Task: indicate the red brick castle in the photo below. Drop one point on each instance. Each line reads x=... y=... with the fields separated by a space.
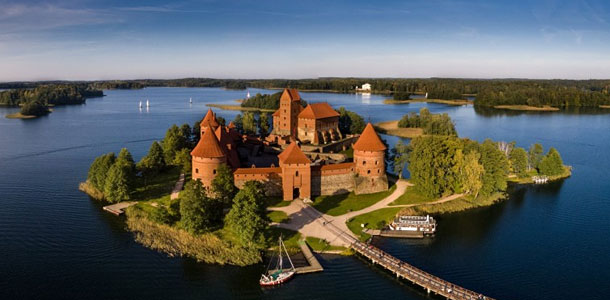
x=298 y=175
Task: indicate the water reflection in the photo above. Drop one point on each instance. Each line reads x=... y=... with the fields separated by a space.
x=493 y=112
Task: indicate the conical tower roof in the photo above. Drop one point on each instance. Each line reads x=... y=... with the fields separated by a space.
x=210 y=118
x=293 y=155
x=208 y=146
x=223 y=136
x=369 y=140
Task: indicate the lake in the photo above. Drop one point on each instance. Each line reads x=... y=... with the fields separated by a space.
x=545 y=242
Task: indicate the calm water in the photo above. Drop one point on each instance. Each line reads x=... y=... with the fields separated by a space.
x=547 y=242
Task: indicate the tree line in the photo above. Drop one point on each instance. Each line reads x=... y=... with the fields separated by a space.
x=440 y=124
x=50 y=94
x=445 y=165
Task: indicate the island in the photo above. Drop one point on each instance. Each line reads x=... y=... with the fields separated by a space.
x=413 y=125
x=224 y=194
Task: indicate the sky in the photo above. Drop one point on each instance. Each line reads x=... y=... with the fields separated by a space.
x=99 y=40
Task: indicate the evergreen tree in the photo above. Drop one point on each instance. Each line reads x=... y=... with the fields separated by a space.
x=187 y=133
x=126 y=160
x=518 y=161
x=350 y=122
x=535 y=154
x=34 y=108
x=172 y=143
x=551 y=164
x=247 y=217
x=223 y=186
x=99 y=170
x=154 y=161
x=116 y=187
x=198 y=212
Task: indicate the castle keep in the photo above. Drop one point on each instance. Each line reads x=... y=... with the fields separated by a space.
x=298 y=175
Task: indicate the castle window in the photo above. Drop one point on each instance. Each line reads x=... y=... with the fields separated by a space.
x=378 y=171
x=364 y=162
x=376 y=162
x=214 y=171
x=368 y=172
x=197 y=171
x=296 y=173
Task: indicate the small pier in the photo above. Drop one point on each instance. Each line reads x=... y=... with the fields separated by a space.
x=395 y=233
x=314 y=264
x=119 y=208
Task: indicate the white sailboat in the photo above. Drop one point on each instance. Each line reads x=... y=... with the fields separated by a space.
x=191 y=100
x=147 y=103
x=140 y=103
x=248 y=95
x=278 y=275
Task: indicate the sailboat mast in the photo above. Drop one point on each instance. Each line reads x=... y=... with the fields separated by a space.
x=287 y=255
x=281 y=262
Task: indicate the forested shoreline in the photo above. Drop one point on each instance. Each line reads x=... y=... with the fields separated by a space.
x=489 y=92
x=61 y=94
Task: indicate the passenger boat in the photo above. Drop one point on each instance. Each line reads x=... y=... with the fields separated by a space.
x=278 y=275
x=426 y=225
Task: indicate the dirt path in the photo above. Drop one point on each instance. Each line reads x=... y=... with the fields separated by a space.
x=177 y=187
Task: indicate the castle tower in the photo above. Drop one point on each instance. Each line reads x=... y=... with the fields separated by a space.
x=296 y=173
x=209 y=121
x=369 y=153
x=285 y=118
x=207 y=156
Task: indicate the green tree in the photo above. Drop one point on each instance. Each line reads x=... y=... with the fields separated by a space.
x=172 y=143
x=187 y=133
x=34 y=108
x=535 y=154
x=184 y=160
x=432 y=164
x=496 y=168
x=116 y=187
x=239 y=123
x=247 y=217
x=472 y=174
x=400 y=157
x=223 y=186
x=350 y=122
x=551 y=164
x=263 y=127
x=154 y=161
x=221 y=121
x=249 y=123
x=198 y=212
x=99 y=170
x=518 y=161
x=126 y=160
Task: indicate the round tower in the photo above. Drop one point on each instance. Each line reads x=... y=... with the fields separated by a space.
x=369 y=153
x=207 y=156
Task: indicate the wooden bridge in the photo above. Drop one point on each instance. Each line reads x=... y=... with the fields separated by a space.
x=429 y=282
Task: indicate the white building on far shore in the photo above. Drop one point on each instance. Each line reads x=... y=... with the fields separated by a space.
x=365 y=88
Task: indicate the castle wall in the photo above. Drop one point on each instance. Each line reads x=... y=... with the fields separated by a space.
x=272 y=182
x=332 y=179
x=204 y=169
x=370 y=163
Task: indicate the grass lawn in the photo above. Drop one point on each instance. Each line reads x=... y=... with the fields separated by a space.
x=156 y=186
x=320 y=245
x=290 y=238
x=336 y=205
x=411 y=196
x=277 y=216
x=374 y=220
x=276 y=202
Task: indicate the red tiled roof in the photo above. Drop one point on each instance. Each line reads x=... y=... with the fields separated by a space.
x=210 y=117
x=231 y=125
x=208 y=146
x=293 y=155
x=318 y=111
x=291 y=94
x=257 y=170
x=369 y=140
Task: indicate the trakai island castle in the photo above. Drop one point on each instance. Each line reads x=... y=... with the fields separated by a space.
x=308 y=164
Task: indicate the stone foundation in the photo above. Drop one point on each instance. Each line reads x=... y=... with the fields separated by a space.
x=369 y=185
